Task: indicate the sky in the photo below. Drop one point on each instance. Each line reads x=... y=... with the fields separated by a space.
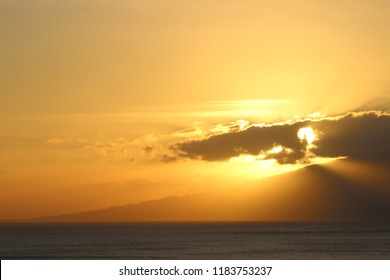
x=106 y=103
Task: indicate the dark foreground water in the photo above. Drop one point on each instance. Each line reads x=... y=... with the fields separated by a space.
x=195 y=241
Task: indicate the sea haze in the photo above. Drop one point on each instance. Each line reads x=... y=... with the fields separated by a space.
x=196 y=241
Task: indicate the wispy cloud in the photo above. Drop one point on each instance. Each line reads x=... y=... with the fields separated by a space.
x=119 y=149
x=142 y=149
x=227 y=110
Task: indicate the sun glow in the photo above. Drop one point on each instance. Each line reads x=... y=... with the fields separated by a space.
x=276 y=149
x=254 y=167
x=307 y=133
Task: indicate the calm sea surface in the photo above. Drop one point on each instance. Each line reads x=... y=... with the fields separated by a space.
x=195 y=241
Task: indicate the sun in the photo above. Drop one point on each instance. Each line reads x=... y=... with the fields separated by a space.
x=307 y=133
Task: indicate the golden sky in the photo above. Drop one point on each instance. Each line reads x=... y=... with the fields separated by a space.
x=96 y=94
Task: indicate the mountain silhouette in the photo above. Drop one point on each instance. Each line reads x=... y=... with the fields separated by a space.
x=342 y=190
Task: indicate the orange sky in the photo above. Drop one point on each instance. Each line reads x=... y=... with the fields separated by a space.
x=94 y=95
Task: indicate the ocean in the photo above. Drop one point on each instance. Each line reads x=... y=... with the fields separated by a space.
x=271 y=241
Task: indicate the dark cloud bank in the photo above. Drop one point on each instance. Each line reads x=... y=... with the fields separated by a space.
x=364 y=136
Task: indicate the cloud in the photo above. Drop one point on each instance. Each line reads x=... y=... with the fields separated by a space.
x=117 y=150
x=379 y=103
x=253 y=140
x=144 y=149
x=69 y=142
x=363 y=135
